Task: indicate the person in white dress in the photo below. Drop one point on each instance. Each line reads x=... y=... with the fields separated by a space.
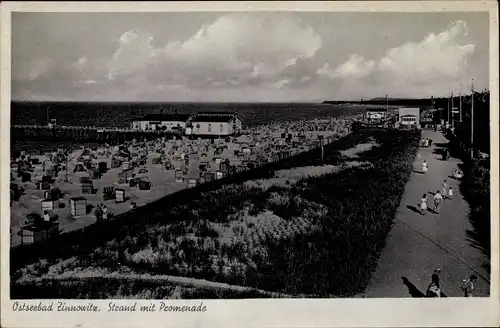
x=423 y=204
x=424 y=167
x=450 y=192
x=445 y=189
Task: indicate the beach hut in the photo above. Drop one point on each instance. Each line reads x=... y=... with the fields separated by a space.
x=102 y=167
x=231 y=170
x=203 y=167
x=54 y=194
x=48 y=204
x=108 y=193
x=79 y=167
x=87 y=187
x=144 y=185
x=116 y=163
x=119 y=195
x=78 y=206
x=192 y=183
x=94 y=174
x=224 y=165
x=47 y=178
x=32 y=234
x=179 y=176
x=125 y=176
x=42 y=185
x=208 y=176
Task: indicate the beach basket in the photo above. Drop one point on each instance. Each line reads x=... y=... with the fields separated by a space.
x=78 y=206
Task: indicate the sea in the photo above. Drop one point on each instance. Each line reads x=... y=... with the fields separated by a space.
x=112 y=114
x=115 y=114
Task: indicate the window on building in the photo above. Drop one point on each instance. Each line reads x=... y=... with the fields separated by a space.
x=222 y=128
x=209 y=127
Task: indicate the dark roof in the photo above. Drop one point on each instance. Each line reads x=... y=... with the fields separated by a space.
x=216 y=113
x=376 y=110
x=214 y=117
x=166 y=117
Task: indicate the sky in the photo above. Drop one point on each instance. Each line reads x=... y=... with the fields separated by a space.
x=246 y=56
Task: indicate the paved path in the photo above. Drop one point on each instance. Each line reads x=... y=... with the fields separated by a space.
x=417 y=244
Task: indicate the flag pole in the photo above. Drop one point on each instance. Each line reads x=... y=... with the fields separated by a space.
x=472 y=121
x=452 y=114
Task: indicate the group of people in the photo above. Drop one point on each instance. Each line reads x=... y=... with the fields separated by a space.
x=101 y=212
x=426 y=142
x=446 y=192
x=435 y=290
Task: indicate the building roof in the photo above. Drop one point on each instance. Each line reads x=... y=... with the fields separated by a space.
x=222 y=117
x=165 y=117
x=211 y=113
x=376 y=110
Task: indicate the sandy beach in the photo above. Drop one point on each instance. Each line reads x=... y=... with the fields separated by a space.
x=168 y=165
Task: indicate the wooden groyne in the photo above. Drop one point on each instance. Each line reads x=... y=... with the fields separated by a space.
x=83 y=134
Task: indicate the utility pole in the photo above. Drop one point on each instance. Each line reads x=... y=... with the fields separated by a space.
x=452 y=113
x=460 y=104
x=472 y=121
x=449 y=111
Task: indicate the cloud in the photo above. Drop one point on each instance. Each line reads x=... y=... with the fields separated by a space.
x=32 y=70
x=235 y=49
x=435 y=59
x=355 y=67
x=134 y=54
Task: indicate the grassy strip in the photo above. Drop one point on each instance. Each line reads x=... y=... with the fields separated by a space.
x=321 y=236
x=132 y=286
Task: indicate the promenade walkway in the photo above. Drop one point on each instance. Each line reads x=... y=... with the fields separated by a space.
x=418 y=244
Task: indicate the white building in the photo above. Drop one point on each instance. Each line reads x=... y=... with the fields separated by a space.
x=376 y=114
x=214 y=124
x=161 y=122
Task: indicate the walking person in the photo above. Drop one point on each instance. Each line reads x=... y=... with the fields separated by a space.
x=468 y=286
x=445 y=187
x=104 y=212
x=424 y=167
x=430 y=142
x=450 y=193
x=98 y=214
x=438 y=199
x=46 y=218
x=434 y=288
x=423 y=204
